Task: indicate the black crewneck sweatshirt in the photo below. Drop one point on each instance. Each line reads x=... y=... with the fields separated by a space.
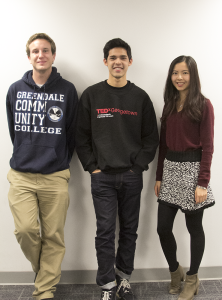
x=117 y=129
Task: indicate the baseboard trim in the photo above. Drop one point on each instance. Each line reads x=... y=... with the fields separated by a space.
x=88 y=276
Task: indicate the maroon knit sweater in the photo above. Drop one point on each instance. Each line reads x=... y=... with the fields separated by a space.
x=182 y=134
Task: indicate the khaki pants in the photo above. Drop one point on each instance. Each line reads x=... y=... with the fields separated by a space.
x=34 y=197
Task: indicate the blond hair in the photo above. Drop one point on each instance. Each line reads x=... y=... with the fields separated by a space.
x=40 y=36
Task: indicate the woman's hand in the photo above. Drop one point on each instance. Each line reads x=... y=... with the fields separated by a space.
x=200 y=195
x=157 y=188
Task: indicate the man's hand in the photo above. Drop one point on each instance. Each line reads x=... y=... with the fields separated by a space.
x=157 y=188
x=96 y=171
x=200 y=195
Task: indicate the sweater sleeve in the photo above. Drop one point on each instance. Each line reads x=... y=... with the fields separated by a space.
x=162 y=152
x=71 y=122
x=84 y=147
x=149 y=138
x=206 y=139
x=9 y=112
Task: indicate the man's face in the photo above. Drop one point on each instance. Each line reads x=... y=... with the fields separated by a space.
x=41 y=56
x=118 y=62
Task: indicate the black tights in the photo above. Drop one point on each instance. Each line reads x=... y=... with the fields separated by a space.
x=166 y=216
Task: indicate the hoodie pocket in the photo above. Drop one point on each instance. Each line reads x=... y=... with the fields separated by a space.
x=34 y=158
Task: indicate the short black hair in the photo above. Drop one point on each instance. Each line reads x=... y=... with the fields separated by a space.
x=116 y=43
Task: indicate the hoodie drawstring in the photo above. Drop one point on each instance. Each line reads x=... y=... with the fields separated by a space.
x=31 y=118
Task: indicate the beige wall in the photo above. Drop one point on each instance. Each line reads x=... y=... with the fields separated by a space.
x=158 y=31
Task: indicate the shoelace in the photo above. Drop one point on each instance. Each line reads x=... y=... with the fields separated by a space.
x=126 y=286
x=106 y=295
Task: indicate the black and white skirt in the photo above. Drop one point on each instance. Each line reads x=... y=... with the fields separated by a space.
x=179 y=182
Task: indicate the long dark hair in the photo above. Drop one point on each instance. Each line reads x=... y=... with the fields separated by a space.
x=194 y=102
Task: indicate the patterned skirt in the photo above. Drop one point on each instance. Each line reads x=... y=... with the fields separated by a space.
x=180 y=177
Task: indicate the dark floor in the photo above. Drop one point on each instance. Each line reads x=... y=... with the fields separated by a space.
x=209 y=289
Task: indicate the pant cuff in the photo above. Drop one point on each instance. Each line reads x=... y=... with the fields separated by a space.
x=45 y=295
x=108 y=286
x=122 y=275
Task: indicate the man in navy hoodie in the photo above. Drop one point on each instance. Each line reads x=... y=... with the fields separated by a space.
x=116 y=139
x=41 y=110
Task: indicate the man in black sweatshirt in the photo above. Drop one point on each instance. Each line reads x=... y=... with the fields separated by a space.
x=41 y=110
x=116 y=139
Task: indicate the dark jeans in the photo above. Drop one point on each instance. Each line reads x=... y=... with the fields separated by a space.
x=110 y=191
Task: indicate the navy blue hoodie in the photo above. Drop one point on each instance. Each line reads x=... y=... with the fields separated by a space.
x=42 y=123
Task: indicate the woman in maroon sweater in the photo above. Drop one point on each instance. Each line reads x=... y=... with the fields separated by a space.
x=183 y=171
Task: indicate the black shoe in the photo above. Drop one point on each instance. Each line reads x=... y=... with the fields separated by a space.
x=109 y=294
x=124 y=289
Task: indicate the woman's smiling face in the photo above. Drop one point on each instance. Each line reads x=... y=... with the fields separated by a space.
x=181 y=77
